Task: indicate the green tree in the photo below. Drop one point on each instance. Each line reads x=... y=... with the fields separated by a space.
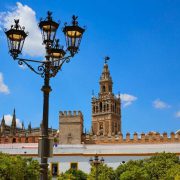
x=32 y=169
x=173 y=173
x=104 y=173
x=162 y=166
x=132 y=170
x=157 y=166
x=73 y=174
x=17 y=167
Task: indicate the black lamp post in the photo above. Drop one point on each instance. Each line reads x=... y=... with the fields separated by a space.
x=96 y=162
x=54 y=59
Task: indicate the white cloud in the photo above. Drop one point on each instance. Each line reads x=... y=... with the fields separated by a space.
x=3 y=87
x=8 y=120
x=127 y=99
x=177 y=114
x=27 y=16
x=158 y=104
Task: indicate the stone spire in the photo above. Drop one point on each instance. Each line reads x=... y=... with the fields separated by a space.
x=13 y=124
x=2 y=126
x=29 y=127
x=105 y=79
x=3 y=121
x=23 y=125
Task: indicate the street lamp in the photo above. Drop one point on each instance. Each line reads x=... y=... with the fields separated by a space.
x=96 y=162
x=48 y=68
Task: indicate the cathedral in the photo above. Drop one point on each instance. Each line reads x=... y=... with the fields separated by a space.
x=13 y=134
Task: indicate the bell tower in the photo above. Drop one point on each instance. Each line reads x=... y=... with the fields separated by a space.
x=106 y=108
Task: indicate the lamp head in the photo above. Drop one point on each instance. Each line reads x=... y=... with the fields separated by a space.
x=56 y=53
x=73 y=36
x=48 y=29
x=16 y=37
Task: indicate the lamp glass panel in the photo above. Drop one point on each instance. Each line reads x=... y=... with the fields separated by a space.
x=73 y=34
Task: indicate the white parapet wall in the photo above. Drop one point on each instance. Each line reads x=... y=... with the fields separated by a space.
x=113 y=155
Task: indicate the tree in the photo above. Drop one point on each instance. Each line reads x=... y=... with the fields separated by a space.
x=17 y=167
x=162 y=166
x=32 y=169
x=173 y=173
x=157 y=166
x=73 y=174
x=104 y=172
x=132 y=170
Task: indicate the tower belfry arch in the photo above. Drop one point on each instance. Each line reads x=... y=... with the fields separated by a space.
x=106 y=108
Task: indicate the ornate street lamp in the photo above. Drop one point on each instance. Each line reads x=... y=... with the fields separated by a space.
x=16 y=36
x=48 y=68
x=96 y=162
x=73 y=36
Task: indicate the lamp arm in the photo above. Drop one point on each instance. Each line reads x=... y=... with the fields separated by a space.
x=40 y=69
x=29 y=60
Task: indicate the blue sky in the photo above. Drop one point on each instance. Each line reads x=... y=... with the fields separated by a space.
x=141 y=37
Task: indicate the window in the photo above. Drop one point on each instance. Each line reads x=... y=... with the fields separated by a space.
x=93 y=109
x=100 y=107
x=54 y=169
x=110 y=88
x=107 y=107
x=74 y=165
x=103 y=88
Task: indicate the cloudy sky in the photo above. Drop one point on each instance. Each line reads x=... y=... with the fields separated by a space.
x=141 y=37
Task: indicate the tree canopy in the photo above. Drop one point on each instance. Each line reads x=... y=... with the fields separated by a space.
x=73 y=174
x=104 y=172
x=17 y=167
x=162 y=166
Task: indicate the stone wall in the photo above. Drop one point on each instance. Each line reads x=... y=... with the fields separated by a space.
x=71 y=127
x=18 y=139
x=150 y=138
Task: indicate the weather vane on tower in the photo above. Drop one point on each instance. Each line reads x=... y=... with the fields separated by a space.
x=107 y=58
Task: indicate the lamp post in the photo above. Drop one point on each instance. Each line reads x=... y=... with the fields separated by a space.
x=96 y=162
x=55 y=57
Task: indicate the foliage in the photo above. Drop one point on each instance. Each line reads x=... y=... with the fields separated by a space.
x=104 y=172
x=17 y=167
x=162 y=166
x=132 y=170
x=72 y=174
x=32 y=169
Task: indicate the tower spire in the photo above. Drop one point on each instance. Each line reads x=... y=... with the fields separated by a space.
x=13 y=124
x=14 y=119
x=105 y=79
x=3 y=121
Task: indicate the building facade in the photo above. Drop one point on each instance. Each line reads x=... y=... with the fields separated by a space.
x=13 y=134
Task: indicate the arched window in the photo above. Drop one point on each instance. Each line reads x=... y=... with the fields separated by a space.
x=103 y=89
x=104 y=107
x=14 y=140
x=100 y=106
x=93 y=109
x=107 y=107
